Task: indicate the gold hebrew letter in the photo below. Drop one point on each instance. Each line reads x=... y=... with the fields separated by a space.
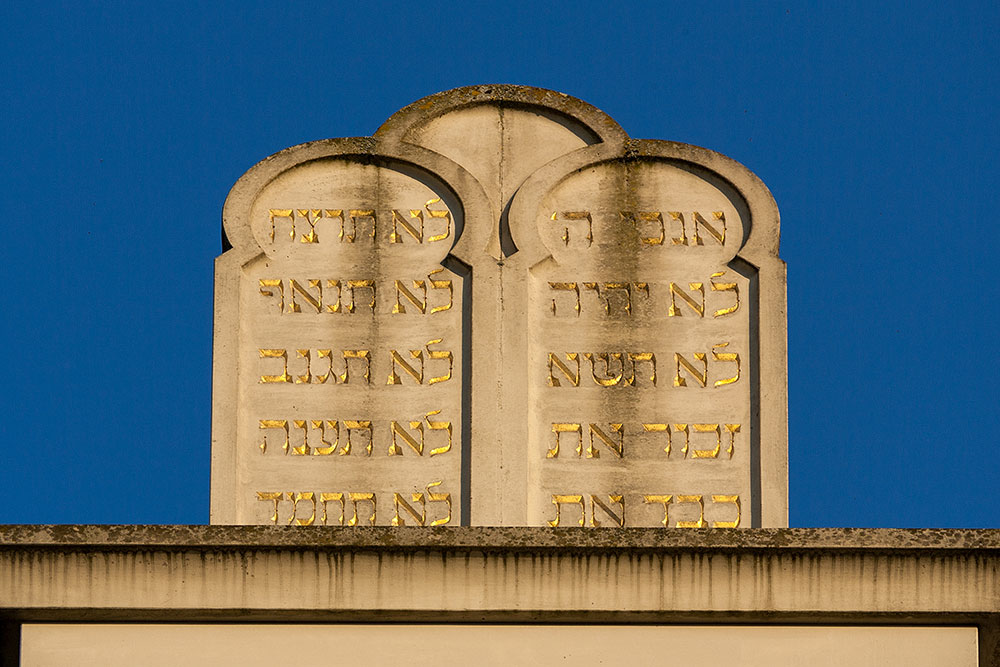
x=439 y=498
x=677 y=216
x=353 y=285
x=419 y=303
x=398 y=500
x=596 y=502
x=574 y=378
x=708 y=453
x=596 y=288
x=610 y=379
x=700 y=523
x=636 y=358
x=566 y=428
x=655 y=217
x=398 y=219
x=726 y=356
x=440 y=284
x=662 y=500
x=726 y=287
x=608 y=290
x=265 y=289
x=356 y=354
x=659 y=428
x=314 y=301
x=733 y=430
x=307 y=378
x=275 y=354
x=355 y=215
x=356 y=498
x=719 y=236
x=295 y=498
x=351 y=425
x=275 y=497
x=312 y=216
x=559 y=501
x=321 y=379
x=303 y=449
x=335 y=308
x=616 y=447
x=701 y=378
x=282 y=213
x=274 y=423
x=438 y=214
x=413 y=372
x=327 y=448
x=439 y=426
x=676 y=291
x=578 y=215
x=439 y=355
x=327 y=497
x=329 y=214
x=557 y=286
x=735 y=500
x=683 y=428
x=416 y=445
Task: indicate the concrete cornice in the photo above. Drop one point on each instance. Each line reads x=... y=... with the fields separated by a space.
x=470 y=538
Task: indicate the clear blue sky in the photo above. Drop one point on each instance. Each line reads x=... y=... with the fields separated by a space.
x=874 y=125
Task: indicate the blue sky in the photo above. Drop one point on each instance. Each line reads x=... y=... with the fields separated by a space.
x=873 y=124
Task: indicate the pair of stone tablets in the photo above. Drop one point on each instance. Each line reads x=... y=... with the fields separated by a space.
x=500 y=310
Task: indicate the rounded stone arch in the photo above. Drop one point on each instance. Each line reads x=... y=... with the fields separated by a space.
x=422 y=165
x=586 y=120
x=761 y=232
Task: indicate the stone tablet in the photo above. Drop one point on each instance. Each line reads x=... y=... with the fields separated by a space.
x=500 y=310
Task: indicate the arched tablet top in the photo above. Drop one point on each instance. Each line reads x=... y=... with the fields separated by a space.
x=458 y=189
x=761 y=228
x=587 y=121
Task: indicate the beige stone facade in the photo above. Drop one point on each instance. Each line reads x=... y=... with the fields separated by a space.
x=500 y=310
x=330 y=576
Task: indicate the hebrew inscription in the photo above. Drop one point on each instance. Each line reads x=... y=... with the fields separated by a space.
x=500 y=310
x=639 y=351
x=351 y=350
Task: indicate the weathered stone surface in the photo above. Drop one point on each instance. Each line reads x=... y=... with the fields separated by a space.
x=73 y=573
x=93 y=645
x=500 y=311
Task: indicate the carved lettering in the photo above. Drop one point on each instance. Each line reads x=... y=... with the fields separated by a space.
x=274 y=423
x=275 y=354
x=351 y=425
x=397 y=501
x=576 y=216
x=596 y=502
x=272 y=496
x=413 y=230
x=617 y=446
x=717 y=233
x=295 y=498
x=279 y=213
x=419 y=302
x=438 y=214
x=697 y=306
x=573 y=377
x=356 y=498
x=560 y=500
x=355 y=216
x=327 y=497
x=572 y=287
x=725 y=287
x=439 y=498
x=566 y=428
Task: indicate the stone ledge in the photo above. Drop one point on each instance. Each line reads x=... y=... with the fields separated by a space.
x=474 y=538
